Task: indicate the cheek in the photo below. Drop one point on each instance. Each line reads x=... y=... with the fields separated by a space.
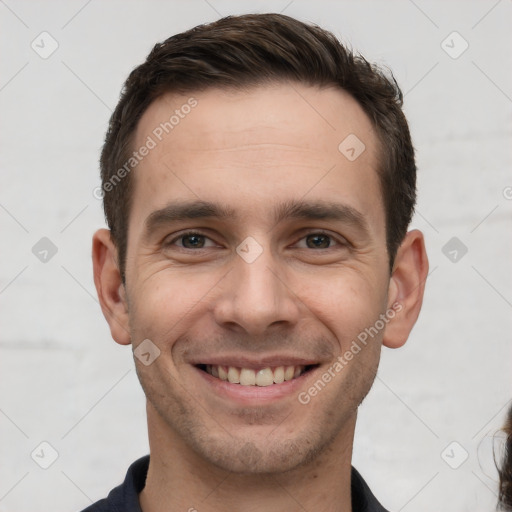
x=163 y=302
x=346 y=303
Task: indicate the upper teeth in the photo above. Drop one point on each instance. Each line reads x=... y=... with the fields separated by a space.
x=249 y=377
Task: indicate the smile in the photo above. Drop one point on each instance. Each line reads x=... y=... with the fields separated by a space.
x=263 y=377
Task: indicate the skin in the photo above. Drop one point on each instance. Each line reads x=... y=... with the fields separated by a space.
x=303 y=296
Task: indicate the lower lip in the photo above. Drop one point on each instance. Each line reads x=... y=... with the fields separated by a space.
x=256 y=395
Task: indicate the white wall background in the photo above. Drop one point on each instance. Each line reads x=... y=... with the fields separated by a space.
x=64 y=381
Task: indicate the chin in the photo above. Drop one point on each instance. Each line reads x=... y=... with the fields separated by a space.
x=250 y=457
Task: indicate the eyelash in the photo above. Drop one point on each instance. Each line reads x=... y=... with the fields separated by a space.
x=342 y=243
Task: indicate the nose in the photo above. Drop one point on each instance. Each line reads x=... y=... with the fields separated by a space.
x=256 y=297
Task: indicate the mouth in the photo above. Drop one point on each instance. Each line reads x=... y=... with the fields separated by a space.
x=261 y=377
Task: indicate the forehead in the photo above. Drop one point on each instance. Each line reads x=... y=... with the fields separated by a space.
x=248 y=148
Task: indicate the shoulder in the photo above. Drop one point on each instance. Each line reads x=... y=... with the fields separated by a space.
x=125 y=497
x=363 y=499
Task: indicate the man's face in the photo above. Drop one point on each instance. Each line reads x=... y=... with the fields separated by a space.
x=283 y=267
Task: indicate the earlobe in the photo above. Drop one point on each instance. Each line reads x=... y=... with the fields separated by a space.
x=109 y=286
x=406 y=288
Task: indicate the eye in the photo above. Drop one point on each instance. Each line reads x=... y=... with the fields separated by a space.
x=191 y=240
x=319 y=241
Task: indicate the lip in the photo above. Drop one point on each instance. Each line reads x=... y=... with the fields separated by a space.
x=255 y=363
x=256 y=395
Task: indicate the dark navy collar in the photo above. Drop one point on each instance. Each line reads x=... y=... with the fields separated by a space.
x=125 y=497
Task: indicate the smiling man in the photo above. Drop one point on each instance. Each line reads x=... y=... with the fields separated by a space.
x=258 y=183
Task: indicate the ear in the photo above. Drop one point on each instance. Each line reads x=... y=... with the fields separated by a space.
x=109 y=286
x=406 y=288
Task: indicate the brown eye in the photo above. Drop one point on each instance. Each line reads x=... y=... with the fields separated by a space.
x=193 y=241
x=318 y=241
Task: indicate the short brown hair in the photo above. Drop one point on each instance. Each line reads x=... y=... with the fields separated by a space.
x=505 y=468
x=241 y=51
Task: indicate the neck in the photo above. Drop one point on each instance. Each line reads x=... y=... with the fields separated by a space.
x=180 y=480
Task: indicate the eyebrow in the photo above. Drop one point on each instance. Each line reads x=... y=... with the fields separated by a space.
x=293 y=209
x=321 y=210
x=176 y=212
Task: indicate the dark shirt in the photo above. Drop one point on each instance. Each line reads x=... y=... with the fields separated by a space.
x=125 y=497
